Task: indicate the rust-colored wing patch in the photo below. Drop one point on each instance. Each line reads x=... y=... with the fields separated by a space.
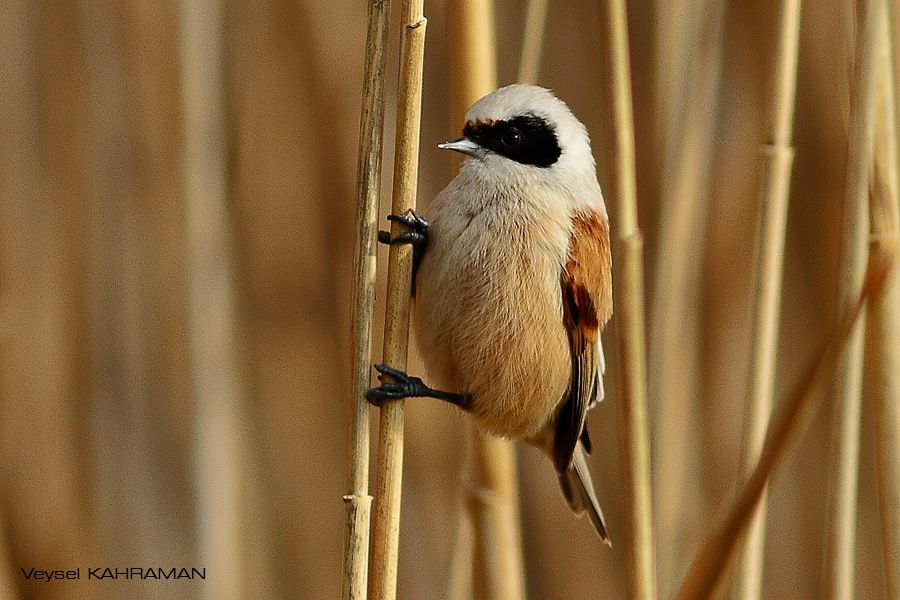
x=587 y=278
x=587 y=305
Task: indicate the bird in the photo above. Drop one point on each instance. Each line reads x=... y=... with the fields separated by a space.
x=512 y=283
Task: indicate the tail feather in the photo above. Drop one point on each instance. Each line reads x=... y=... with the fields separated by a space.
x=578 y=488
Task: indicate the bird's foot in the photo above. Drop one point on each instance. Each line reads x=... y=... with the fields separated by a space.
x=402 y=387
x=417 y=234
x=405 y=386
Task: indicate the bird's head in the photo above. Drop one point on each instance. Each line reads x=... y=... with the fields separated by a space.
x=523 y=133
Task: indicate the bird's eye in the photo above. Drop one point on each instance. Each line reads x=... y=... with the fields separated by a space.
x=511 y=137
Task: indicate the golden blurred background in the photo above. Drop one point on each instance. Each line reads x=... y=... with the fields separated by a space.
x=103 y=321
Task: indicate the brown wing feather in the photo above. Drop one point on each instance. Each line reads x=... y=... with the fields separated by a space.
x=587 y=305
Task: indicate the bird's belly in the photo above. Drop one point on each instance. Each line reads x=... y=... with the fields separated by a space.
x=489 y=322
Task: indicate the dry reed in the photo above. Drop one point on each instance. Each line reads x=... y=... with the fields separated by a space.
x=462 y=562
x=211 y=300
x=492 y=500
x=532 y=41
x=674 y=309
x=386 y=531
x=473 y=55
x=883 y=331
x=841 y=546
x=710 y=563
x=492 y=491
x=777 y=158
x=629 y=303
x=371 y=134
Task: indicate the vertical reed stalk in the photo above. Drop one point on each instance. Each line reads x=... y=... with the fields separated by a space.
x=777 y=156
x=371 y=134
x=883 y=331
x=710 y=563
x=493 y=501
x=386 y=531
x=462 y=562
x=211 y=297
x=492 y=495
x=675 y=306
x=473 y=55
x=533 y=41
x=841 y=548
x=629 y=302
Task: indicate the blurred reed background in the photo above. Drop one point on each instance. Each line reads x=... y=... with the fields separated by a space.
x=100 y=385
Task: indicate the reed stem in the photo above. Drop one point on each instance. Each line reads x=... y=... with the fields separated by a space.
x=358 y=502
x=533 y=41
x=674 y=311
x=386 y=531
x=777 y=157
x=841 y=545
x=710 y=563
x=883 y=331
x=462 y=562
x=629 y=302
x=492 y=499
x=473 y=55
x=211 y=300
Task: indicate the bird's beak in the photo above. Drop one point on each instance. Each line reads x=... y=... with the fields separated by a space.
x=464 y=145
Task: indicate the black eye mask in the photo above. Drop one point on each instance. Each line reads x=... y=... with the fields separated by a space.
x=527 y=139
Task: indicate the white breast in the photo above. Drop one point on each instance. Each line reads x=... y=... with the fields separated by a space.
x=488 y=307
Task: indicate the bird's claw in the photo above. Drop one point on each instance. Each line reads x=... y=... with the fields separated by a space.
x=417 y=224
x=404 y=386
x=407 y=237
x=411 y=219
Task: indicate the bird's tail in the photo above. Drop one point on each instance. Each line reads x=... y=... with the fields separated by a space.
x=578 y=489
